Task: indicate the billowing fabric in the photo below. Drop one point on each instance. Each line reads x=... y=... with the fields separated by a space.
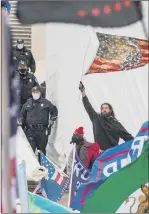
x=94 y=13
x=118 y=53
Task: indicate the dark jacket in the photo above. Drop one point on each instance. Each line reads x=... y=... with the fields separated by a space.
x=24 y=55
x=26 y=84
x=88 y=152
x=43 y=89
x=37 y=112
x=107 y=130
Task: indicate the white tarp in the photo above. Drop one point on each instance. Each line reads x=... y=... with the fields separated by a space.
x=24 y=152
x=70 y=50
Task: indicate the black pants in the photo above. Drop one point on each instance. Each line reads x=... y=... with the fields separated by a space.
x=37 y=138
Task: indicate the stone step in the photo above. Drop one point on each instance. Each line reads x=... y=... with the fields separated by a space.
x=32 y=185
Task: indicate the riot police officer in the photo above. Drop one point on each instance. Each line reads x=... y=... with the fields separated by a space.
x=20 y=52
x=27 y=82
x=38 y=115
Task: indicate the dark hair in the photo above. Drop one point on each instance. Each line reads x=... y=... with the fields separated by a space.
x=77 y=138
x=110 y=107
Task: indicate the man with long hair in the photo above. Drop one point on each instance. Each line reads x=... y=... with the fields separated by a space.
x=106 y=128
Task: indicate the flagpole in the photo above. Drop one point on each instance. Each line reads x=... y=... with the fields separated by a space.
x=70 y=185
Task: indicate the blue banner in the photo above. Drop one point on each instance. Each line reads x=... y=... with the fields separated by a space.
x=80 y=175
x=108 y=163
x=22 y=187
x=38 y=204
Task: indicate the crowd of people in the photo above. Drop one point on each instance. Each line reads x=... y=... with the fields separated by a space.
x=37 y=114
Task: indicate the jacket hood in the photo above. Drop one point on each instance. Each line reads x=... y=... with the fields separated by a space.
x=93 y=146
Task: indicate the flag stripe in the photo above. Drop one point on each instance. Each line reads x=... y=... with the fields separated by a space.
x=145 y=55
x=63 y=181
x=144 y=129
x=85 y=193
x=60 y=180
x=57 y=177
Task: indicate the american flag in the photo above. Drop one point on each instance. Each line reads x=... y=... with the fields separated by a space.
x=10 y=107
x=118 y=53
x=55 y=184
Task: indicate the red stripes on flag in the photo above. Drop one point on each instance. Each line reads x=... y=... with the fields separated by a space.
x=116 y=60
x=58 y=178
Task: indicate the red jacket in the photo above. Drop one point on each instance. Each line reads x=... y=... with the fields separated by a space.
x=88 y=152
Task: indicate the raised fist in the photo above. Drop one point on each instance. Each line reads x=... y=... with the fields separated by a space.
x=81 y=87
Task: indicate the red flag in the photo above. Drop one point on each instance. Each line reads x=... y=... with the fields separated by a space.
x=118 y=53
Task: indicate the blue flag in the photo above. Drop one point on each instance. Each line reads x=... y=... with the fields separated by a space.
x=108 y=163
x=8 y=6
x=38 y=204
x=22 y=186
x=57 y=182
x=80 y=175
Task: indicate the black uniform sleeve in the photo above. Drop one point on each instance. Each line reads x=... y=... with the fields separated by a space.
x=91 y=112
x=32 y=63
x=22 y=118
x=53 y=112
x=123 y=133
x=35 y=81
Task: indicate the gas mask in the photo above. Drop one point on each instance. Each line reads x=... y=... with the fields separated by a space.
x=36 y=96
x=20 y=46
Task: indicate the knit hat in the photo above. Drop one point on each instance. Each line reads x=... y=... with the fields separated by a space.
x=80 y=131
x=78 y=136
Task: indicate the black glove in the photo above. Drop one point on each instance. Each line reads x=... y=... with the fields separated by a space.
x=49 y=129
x=81 y=87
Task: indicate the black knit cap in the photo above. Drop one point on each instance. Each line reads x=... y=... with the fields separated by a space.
x=77 y=138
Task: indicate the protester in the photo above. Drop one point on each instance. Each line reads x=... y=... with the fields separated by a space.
x=38 y=115
x=27 y=82
x=20 y=52
x=87 y=152
x=106 y=128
